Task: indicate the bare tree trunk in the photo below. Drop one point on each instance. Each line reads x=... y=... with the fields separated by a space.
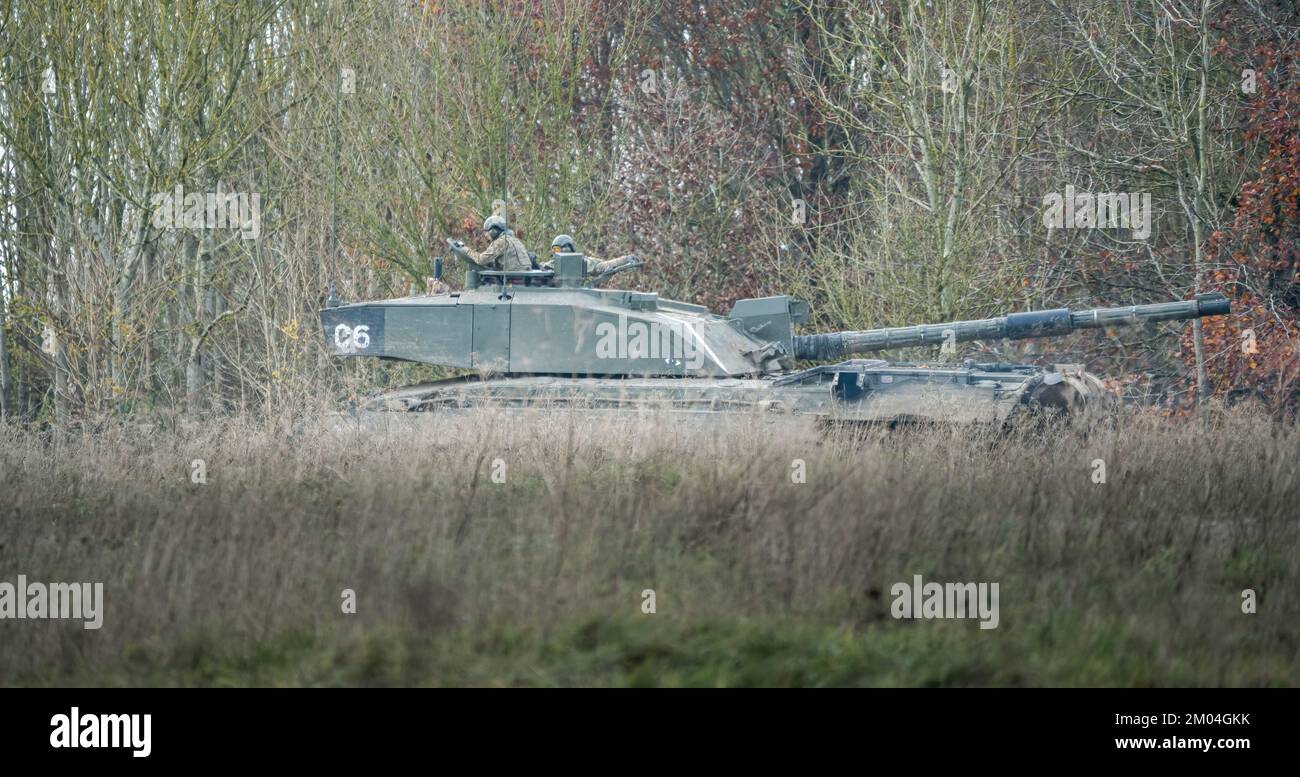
x=6 y=379
x=1198 y=338
x=194 y=386
x=122 y=309
x=1200 y=210
x=58 y=357
x=210 y=309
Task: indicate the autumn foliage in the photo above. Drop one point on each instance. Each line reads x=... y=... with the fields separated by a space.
x=886 y=161
x=1257 y=350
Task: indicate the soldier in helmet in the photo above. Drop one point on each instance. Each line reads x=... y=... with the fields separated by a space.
x=506 y=252
x=563 y=244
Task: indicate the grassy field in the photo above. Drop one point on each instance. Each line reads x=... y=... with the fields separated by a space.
x=758 y=579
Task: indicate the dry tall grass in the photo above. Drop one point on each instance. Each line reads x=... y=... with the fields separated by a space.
x=1134 y=581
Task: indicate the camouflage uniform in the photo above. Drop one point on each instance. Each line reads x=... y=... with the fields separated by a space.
x=595 y=266
x=507 y=253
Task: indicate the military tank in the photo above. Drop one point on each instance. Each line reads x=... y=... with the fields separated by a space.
x=553 y=338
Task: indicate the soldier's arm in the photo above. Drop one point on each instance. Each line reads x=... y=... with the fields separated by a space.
x=490 y=259
x=465 y=253
x=608 y=265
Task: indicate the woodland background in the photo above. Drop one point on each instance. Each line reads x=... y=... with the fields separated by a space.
x=921 y=138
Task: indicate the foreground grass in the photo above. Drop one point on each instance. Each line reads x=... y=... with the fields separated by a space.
x=759 y=579
x=718 y=652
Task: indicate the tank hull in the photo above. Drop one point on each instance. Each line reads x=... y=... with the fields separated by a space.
x=851 y=391
x=549 y=340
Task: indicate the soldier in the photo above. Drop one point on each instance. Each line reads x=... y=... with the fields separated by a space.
x=563 y=244
x=506 y=252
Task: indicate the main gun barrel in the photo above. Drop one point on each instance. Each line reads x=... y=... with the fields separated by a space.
x=1017 y=326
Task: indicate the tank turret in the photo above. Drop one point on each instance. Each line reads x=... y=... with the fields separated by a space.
x=556 y=322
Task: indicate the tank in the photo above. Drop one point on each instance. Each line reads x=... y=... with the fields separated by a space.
x=552 y=338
